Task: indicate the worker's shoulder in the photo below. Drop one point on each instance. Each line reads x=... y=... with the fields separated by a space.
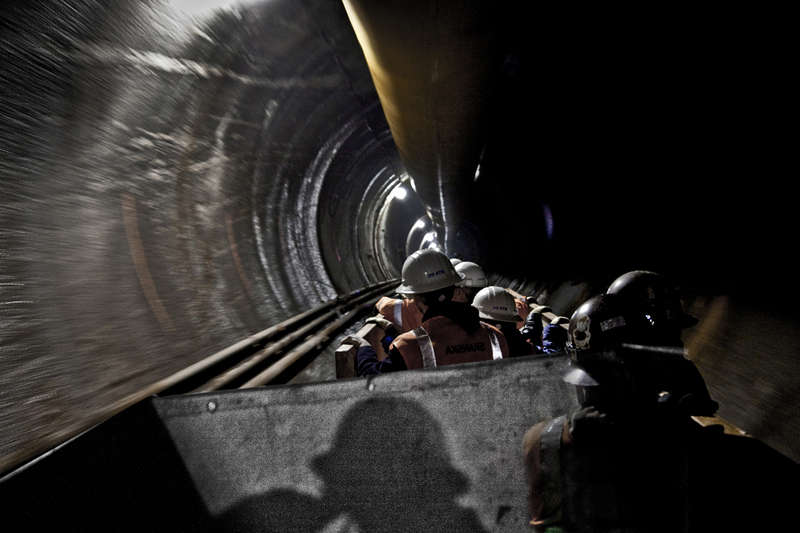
x=404 y=339
x=491 y=328
x=385 y=301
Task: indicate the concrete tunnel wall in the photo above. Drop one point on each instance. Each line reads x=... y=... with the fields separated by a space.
x=171 y=185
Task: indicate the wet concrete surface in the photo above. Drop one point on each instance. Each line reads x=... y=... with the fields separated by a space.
x=172 y=182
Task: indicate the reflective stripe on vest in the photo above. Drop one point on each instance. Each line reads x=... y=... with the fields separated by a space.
x=398 y=313
x=550 y=463
x=497 y=352
x=425 y=348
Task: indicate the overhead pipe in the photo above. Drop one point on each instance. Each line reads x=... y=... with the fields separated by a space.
x=432 y=64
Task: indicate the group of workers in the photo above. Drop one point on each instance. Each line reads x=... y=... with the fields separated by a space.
x=448 y=314
x=636 y=389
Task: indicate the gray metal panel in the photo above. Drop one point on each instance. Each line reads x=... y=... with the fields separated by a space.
x=347 y=452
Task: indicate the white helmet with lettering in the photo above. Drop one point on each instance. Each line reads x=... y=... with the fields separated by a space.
x=427 y=271
x=474 y=275
x=495 y=303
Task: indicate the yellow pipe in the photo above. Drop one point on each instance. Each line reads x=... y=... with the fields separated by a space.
x=432 y=65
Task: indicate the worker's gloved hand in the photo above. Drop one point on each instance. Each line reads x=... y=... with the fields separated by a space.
x=589 y=426
x=379 y=321
x=389 y=330
x=356 y=341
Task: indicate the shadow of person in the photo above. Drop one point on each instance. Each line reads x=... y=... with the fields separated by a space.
x=387 y=471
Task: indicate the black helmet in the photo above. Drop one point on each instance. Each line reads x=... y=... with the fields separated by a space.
x=629 y=378
x=652 y=300
x=596 y=331
x=597 y=325
x=533 y=328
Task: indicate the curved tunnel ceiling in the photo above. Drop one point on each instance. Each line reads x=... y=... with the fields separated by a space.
x=173 y=182
x=434 y=64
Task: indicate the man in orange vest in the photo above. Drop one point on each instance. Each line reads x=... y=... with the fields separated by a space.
x=451 y=332
x=398 y=315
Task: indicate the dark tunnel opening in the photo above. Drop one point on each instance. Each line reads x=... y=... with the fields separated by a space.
x=171 y=184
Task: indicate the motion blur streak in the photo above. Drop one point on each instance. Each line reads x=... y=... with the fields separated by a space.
x=140 y=261
x=161 y=191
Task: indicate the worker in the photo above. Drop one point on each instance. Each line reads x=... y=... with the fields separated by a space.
x=656 y=320
x=596 y=469
x=659 y=315
x=532 y=329
x=451 y=332
x=554 y=335
x=473 y=280
x=400 y=315
x=496 y=307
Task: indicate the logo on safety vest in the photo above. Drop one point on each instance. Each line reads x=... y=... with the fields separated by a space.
x=461 y=348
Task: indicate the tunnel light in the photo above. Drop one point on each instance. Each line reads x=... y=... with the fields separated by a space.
x=429 y=237
x=399 y=193
x=419 y=224
x=430 y=242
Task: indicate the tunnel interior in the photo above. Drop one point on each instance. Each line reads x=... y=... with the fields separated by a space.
x=178 y=175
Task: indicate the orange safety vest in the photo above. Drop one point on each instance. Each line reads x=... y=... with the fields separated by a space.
x=402 y=313
x=441 y=341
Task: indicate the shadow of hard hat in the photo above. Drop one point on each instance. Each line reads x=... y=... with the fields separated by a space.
x=417 y=451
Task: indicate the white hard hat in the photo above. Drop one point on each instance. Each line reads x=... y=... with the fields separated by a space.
x=495 y=303
x=473 y=274
x=454 y=261
x=427 y=271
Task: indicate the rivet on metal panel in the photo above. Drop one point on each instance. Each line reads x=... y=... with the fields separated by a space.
x=211 y=406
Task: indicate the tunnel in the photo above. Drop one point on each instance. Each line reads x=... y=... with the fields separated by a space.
x=178 y=175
